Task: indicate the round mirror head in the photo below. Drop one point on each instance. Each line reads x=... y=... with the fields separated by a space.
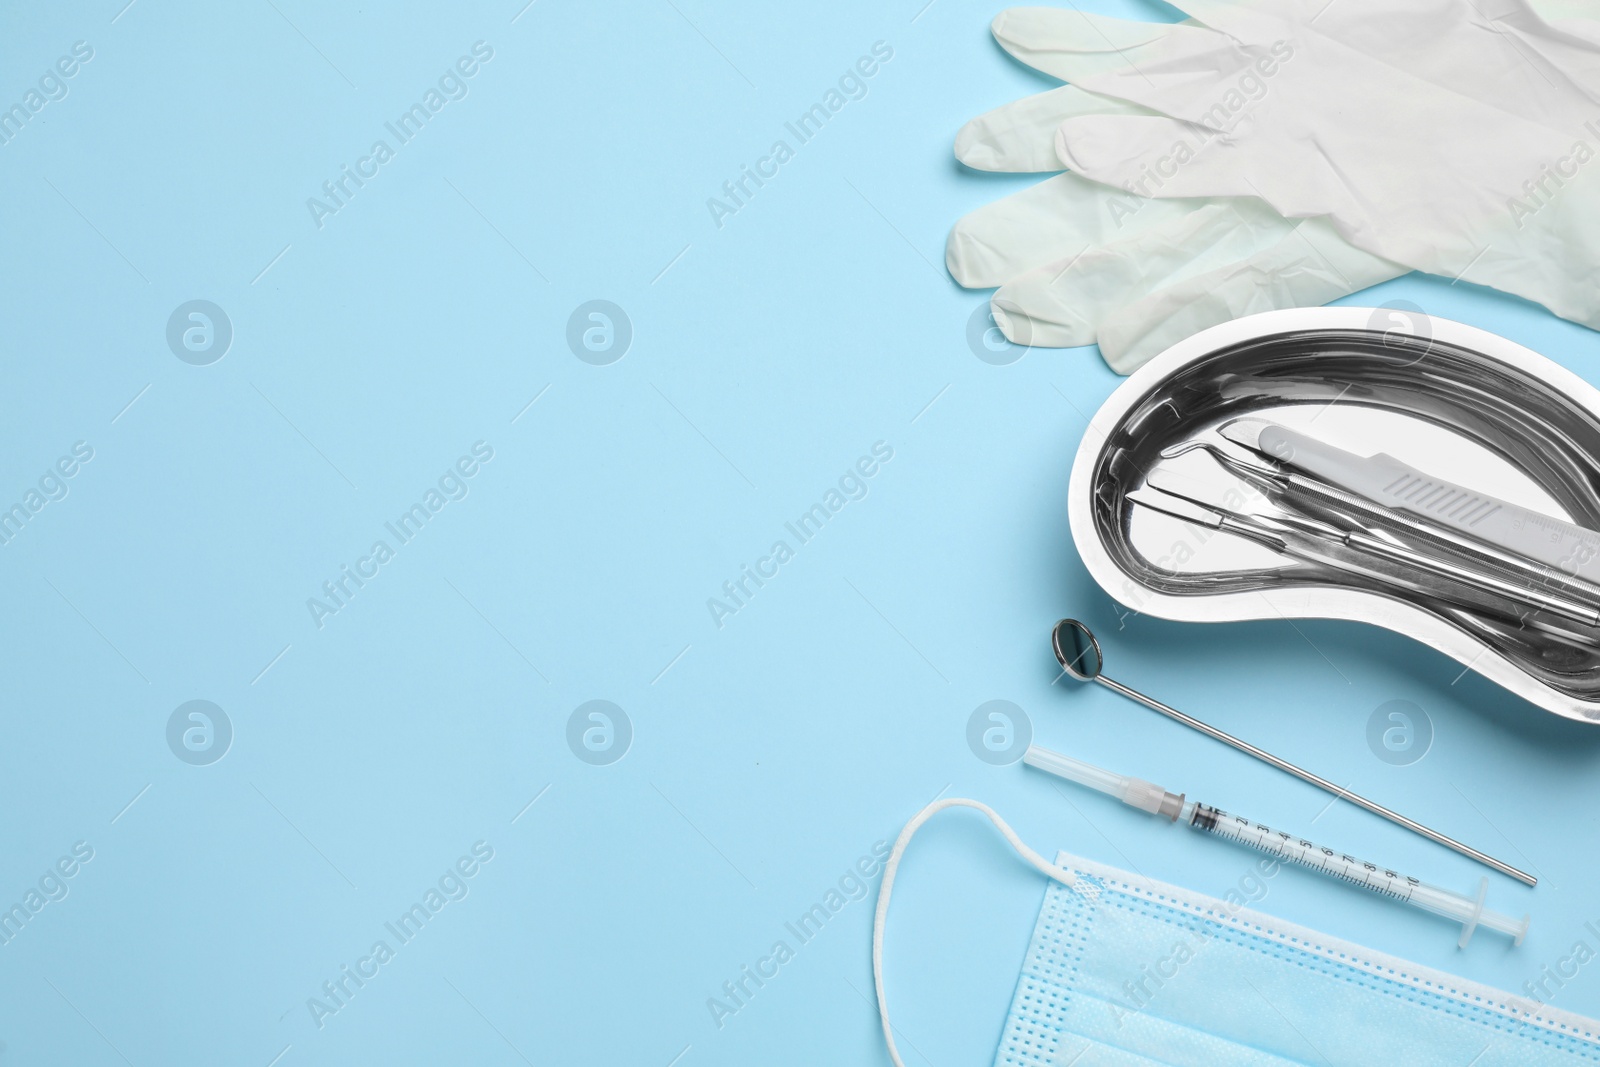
x=1076 y=649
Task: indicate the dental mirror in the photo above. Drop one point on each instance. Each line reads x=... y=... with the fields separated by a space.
x=1076 y=649
x=1079 y=655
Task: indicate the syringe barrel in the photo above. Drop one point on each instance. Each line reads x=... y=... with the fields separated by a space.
x=1442 y=902
x=1468 y=911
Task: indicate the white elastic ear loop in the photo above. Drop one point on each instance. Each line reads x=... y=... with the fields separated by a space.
x=1049 y=869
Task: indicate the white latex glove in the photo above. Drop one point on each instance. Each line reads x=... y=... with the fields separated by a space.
x=1462 y=147
x=1079 y=262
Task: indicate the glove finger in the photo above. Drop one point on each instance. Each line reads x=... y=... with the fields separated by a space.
x=1072 y=45
x=1057 y=219
x=1247 y=23
x=1309 y=266
x=1065 y=303
x=1020 y=137
x=1157 y=156
x=1185 y=70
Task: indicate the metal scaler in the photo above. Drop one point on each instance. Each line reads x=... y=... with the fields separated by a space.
x=1569 y=548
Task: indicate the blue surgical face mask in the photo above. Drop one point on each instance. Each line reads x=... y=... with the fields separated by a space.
x=1126 y=971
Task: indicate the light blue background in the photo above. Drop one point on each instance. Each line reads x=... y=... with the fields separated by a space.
x=769 y=754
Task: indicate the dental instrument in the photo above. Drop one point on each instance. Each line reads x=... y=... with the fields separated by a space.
x=1308 y=539
x=1426 y=390
x=1301 y=492
x=1280 y=845
x=1569 y=548
x=1079 y=655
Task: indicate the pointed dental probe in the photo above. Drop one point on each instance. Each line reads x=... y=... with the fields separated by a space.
x=1569 y=548
x=1328 y=552
x=1288 y=848
x=1164 y=482
x=1079 y=655
x=1273 y=478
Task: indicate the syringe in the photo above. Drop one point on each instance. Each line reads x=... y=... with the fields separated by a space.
x=1147 y=796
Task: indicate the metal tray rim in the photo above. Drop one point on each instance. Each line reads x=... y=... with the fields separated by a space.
x=1307 y=602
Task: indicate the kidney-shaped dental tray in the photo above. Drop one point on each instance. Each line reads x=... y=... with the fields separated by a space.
x=1456 y=402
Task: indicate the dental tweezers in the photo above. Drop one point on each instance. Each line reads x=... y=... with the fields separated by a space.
x=1312 y=541
x=1299 y=491
x=1401 y=488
